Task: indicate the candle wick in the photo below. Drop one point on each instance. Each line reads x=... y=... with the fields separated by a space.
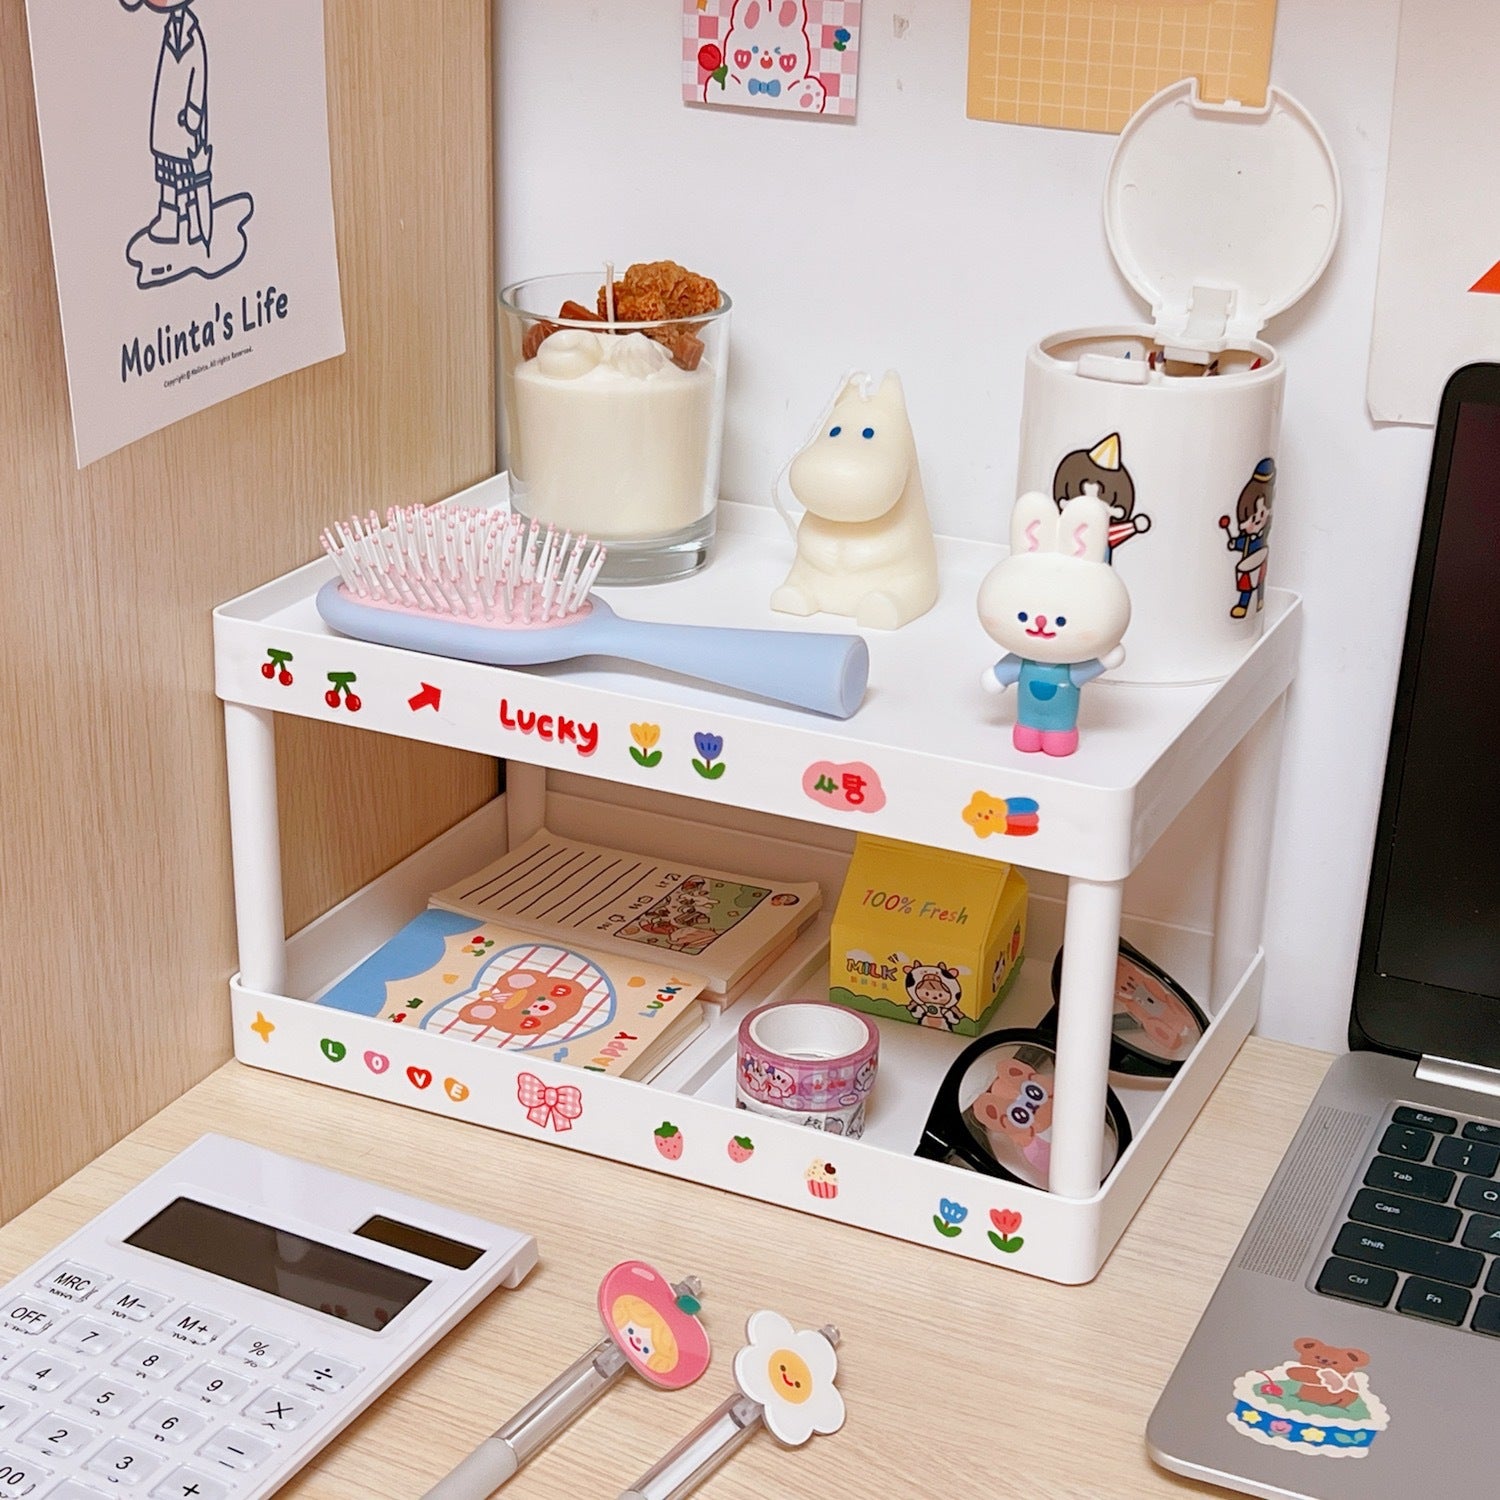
x=609 y=293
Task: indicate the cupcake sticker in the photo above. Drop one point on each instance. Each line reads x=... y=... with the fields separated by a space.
x=822 y=1179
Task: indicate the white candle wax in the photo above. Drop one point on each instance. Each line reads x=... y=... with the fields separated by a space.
x=613 y=437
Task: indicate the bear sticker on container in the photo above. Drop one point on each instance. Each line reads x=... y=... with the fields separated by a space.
x=1249 y=533
x=1101 y=471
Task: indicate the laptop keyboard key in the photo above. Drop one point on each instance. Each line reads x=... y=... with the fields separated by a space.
x=1402 y=1252
x=1479 y=1194
x=1391 y=1210
x=1433 y=1300
x=1407 y=1142
x=1487 y=1316
x=1432 y=1183
x=1481 y=1130
x=1468 y=1156
x=1483 y=1233
x=1358 y=1283
x=1424 y=1119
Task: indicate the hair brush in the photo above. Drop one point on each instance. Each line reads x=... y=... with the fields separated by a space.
x=489 y=586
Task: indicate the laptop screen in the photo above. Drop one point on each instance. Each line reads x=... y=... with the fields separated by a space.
x=1429 y=975
x=1442 y=899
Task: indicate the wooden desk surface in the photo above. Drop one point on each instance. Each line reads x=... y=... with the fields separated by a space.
x=960 y=1378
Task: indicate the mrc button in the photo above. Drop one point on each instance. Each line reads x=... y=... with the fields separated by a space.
x=72 y=1282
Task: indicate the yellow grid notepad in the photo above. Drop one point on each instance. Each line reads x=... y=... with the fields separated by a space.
x=1090 y=64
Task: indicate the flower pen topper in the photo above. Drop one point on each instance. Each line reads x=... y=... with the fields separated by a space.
x=786 y=1383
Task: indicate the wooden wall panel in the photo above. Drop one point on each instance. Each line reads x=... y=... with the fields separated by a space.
x=116 y=926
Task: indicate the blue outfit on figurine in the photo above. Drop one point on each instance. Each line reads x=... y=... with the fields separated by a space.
x=1048 y=695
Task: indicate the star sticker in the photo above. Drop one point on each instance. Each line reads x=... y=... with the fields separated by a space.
x=262 y=1027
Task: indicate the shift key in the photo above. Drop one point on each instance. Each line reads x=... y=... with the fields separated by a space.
x=1401 y=1252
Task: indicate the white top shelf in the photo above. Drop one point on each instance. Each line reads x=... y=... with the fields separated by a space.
x=928 y=731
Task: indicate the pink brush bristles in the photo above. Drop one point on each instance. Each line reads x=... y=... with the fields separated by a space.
x=465 y=562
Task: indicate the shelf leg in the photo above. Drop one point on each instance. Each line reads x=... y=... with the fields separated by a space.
x=1244 y=860
x=525 y=801
x=1085 y=1017
x=255 y=842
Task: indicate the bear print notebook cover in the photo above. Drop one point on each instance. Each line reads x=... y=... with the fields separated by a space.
x=481 y=982
x=719 y=928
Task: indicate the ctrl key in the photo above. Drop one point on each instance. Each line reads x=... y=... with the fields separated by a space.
x=1372 y=1285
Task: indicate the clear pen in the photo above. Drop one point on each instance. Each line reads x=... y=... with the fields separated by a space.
x=651 y=1326
x=725 y=1430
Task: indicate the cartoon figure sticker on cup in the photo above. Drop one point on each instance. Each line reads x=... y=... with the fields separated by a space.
x=993 y=1112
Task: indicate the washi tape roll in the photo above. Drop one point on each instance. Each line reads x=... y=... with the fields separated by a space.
x=803 y=1058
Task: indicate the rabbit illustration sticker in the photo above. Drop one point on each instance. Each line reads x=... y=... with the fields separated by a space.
x=1249 y=537
x=1059 y=609
x=796 y=55
x=1100 y=471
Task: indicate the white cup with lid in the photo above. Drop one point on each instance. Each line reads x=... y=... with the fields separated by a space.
x=1220 y=216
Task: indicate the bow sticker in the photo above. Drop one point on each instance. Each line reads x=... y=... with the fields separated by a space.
x=546 y=1105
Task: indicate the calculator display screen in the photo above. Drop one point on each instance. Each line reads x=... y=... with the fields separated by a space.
x=276 y=1261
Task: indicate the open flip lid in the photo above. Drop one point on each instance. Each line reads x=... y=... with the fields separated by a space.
x=1220 y=215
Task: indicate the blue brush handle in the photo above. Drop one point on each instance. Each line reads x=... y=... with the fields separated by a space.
x=826 y=673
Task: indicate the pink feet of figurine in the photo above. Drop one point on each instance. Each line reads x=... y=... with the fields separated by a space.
x=1048 y=741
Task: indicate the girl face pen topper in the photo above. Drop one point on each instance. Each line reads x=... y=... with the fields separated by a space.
x=652 y=1328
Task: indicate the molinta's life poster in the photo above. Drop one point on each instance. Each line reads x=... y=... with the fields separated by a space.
x=185 y=146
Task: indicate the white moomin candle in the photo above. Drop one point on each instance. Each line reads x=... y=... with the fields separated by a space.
x=612 y=438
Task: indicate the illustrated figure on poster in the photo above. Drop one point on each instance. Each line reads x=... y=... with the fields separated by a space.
x=1250 y=536
x=1100 y=471
x=766 y=60
x=191 y=233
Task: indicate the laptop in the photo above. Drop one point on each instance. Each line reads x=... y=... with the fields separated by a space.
x=1352 y=1349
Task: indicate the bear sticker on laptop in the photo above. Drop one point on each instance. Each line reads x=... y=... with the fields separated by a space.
x=1320 y=1402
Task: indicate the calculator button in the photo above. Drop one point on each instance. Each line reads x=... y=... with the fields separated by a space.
x=124 y=1463
x=135 y=1303
x=13 y=1410
x=258 y=1348
x=279 y=1410
x=8 y=1350
x=72 y=1490
x=20 y=1476
x=57 y=1435
x=322 y=1374
x=151 y=1361
x=104 y=1396
x=170 y=1424
x=215 y=1386
x=196 y=1325
x=41 y=1371
x=72 y=1282
x=233 y=1449
x=89 y=1336
x=184 y=1484
x=28 y=1317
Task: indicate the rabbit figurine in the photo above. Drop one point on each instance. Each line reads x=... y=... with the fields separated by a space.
x=1059 y=609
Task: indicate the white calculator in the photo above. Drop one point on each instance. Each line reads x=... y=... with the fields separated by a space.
x=210 y=1332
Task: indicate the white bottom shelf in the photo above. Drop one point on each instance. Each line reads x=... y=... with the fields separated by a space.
x=880 y=1185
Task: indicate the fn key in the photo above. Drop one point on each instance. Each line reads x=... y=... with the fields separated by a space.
x=1356 y=1283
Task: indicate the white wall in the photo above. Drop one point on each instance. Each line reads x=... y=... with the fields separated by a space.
x=918 y=239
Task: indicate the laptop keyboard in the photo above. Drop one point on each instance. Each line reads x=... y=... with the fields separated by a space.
x=1422 y=1236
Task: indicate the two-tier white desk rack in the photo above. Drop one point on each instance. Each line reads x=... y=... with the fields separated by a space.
x=936 y=766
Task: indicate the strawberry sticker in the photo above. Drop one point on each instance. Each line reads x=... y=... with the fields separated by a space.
x=668 y=1140
x=741 y=1148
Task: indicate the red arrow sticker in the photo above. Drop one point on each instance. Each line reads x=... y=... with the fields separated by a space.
x=429 y=697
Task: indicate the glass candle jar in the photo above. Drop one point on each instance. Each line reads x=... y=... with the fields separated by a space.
x=614 y=429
